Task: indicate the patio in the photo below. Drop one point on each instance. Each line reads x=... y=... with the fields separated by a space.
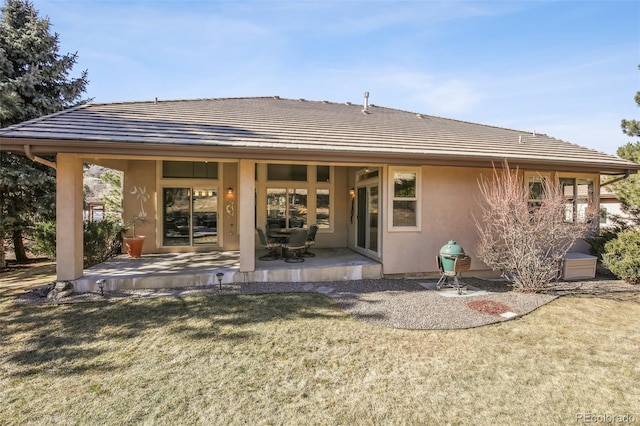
x=172 y=270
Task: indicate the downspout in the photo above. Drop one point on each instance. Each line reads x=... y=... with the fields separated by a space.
x=29 y=154
x=618 y=179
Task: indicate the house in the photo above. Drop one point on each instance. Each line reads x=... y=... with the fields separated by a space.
x=611 y=209
x=391 y=185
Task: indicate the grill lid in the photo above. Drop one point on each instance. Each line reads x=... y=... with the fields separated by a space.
x=451 y=249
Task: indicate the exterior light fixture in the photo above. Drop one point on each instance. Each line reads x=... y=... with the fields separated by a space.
x=219 y=276
x=230 y=191
x=100 y=284
x=352 y=192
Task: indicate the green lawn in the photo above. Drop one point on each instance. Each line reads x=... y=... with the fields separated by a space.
x=299 y=359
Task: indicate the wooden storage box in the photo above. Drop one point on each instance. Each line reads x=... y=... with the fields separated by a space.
x=579 y=266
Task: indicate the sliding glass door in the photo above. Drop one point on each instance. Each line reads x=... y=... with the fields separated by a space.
x=367 y=220
x=190 y=216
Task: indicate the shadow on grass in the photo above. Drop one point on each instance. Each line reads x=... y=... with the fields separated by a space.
x=70 y=339
x=17 y=278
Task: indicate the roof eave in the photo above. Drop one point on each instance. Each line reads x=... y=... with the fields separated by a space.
x=147 y=149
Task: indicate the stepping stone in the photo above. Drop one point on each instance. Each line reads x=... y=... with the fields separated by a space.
x=325 y=290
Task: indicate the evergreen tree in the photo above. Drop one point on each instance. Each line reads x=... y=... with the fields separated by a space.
x=113 y=198
x=628 y=190
x=632 y=127
x=34 y=81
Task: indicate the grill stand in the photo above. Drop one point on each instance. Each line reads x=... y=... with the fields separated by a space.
x=460 y=264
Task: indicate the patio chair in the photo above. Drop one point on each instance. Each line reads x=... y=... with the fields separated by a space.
x=311 y=240
x=271 y=246
x=460 y=264
x=295 y=245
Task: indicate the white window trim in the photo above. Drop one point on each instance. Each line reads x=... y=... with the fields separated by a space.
x=595 y=201
x=418 y=199
x=546 y=175
x=556 y=176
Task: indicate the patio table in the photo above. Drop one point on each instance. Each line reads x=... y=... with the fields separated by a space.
x=282 y=236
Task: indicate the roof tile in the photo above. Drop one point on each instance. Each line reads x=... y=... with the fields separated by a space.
x=273 y=123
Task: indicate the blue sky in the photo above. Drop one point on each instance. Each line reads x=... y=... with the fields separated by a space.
x=565 y=68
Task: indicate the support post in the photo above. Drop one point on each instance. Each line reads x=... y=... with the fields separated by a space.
x=246 y=215
x=69 y=218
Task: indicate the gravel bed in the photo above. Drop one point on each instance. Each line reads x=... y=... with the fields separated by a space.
x=397 y=303
x=410 y=306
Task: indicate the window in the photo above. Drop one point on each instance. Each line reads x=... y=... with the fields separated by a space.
x=323 y=174
x=190 y=169
x=190 y=216
x=323 y=211
x=368 y=175
x=286 y=207
x=536 y=186
x=404 y=190
x=578 y=194
x=288 y=172
x=296 y=195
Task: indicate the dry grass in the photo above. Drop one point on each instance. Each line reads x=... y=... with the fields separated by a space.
x=298 y=359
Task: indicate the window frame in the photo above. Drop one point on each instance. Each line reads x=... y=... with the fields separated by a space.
x=556 y=178
x=575 y=200
x=311 y=185
x=528 y=175
x=288 y=193
x=392 y=198
x=192 y=190
x=189 y=183
x=164 y=164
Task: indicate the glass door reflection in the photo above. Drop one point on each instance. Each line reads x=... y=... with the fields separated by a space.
x=176 y=216
x=205 y=216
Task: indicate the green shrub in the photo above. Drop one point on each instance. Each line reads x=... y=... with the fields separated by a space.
x=598 y=242
x=622 y=256
x=605 y=235
x=102 y=240
x=45 y=239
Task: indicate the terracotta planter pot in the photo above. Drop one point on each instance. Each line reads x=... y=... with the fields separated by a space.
x=134 y=245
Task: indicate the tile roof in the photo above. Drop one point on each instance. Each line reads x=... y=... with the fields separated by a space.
x=274 y=125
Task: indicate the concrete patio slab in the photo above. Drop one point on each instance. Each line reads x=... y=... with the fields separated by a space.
x=172 y=270
x=453 y=292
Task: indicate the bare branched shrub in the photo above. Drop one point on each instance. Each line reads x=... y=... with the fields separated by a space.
x=525 y=241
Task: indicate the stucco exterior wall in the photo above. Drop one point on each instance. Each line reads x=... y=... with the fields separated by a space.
x=449 y=197
x=139 y=195
x=230 y=205
x=141 y=176
x=337 y=238
x=350 y=225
